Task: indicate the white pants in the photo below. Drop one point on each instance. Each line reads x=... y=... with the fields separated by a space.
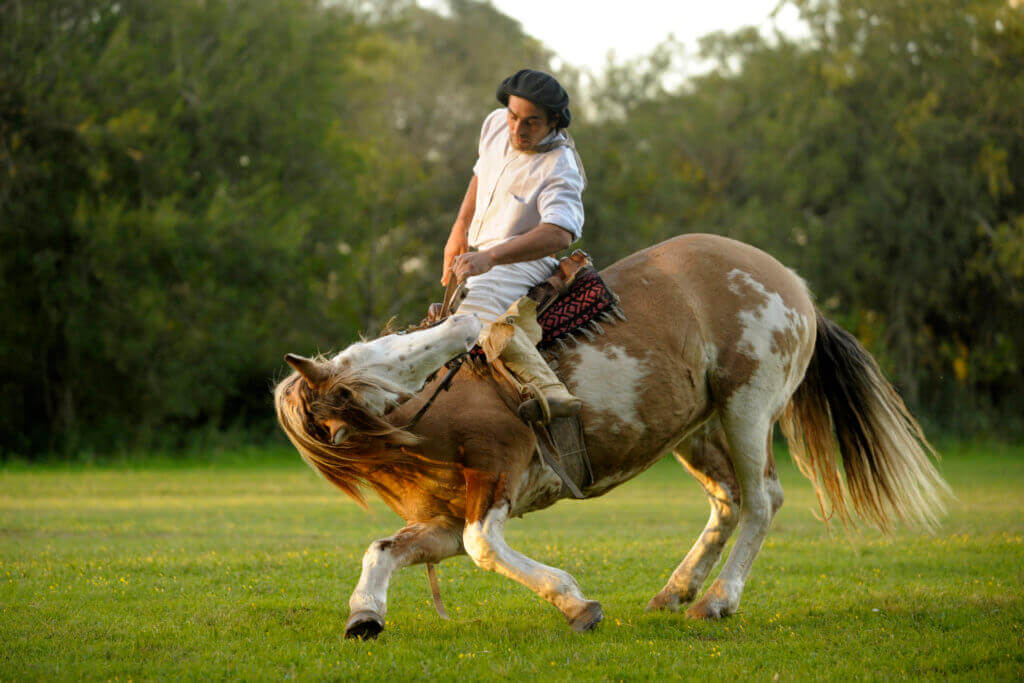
x=491 y=293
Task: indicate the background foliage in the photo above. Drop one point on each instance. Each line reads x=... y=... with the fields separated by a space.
x=188 y=190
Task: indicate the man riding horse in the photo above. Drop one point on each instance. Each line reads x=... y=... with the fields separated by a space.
x=722 y=343
x=523 y=204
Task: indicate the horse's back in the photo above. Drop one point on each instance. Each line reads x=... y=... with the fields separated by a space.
x=709 y=317
x=704 y=268
x=753 y=313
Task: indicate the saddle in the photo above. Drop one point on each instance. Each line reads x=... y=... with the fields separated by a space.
x=571 y=303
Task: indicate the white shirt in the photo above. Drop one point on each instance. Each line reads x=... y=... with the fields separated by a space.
x=516 y=191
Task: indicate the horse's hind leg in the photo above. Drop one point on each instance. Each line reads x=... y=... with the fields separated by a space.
x=749 y=436
x=771 y=481
x=706 y=457
x=422 y=542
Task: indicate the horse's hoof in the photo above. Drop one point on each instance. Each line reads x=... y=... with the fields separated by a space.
x=708 y=610
x=587 y=618
x=665 y=601
x=364 y=626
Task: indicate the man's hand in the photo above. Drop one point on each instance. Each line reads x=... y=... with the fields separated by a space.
x=472 y=263
x=458 y=240
x=458 y=244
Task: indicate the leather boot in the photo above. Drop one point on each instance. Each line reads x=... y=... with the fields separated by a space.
x=524 y=360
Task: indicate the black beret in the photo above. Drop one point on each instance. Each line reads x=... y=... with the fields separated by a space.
x=540 y=88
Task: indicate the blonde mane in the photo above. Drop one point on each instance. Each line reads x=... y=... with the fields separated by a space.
x=371 y=439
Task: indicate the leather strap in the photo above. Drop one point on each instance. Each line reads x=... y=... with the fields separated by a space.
x=435 y=591
x=450 y=293
x=549 y=453
x=453 y=367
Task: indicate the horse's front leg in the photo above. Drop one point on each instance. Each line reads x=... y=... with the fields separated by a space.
x=487 y=507
x=421 y=542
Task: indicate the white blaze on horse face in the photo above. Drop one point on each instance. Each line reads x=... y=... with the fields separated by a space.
x=403 y=362
x=609 y=382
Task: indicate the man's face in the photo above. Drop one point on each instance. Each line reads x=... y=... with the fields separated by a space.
x=528 y=123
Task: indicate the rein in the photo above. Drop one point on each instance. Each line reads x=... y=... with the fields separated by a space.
x=454 y=365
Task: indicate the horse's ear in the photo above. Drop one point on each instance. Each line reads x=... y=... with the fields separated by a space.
x=313 y=372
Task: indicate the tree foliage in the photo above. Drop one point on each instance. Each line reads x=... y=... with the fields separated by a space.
x=190 y=189
x=187 y=190
x=878 y=158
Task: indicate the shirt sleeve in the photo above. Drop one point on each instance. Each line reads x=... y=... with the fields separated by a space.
x=560 y=201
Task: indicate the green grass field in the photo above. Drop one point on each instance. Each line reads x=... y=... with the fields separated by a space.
x=241 y=570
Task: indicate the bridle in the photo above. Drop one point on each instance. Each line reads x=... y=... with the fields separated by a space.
x=453 y=365
x=445 y=384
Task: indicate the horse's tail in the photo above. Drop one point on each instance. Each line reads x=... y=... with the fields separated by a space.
x=846 y=407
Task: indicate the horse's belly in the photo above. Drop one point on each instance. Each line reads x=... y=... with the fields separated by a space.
x=539 y=488
x=637 y=400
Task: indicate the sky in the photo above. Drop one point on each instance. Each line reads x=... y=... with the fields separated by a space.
x=582 y=32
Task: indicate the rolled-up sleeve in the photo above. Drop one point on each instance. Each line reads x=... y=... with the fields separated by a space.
x=560 y=201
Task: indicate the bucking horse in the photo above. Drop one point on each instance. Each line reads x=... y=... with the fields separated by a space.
x=722 y=342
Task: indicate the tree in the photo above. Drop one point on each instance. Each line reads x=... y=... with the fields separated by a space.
x=877 y=158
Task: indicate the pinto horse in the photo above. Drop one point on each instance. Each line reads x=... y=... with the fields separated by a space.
x=722 y=342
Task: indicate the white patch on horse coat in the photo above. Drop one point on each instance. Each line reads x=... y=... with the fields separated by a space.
x=609 y=381
x=760 y=326
x=747 y=418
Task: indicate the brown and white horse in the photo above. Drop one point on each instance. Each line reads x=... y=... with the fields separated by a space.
x=722 y=342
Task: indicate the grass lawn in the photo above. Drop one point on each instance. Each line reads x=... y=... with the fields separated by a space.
x=243 y=570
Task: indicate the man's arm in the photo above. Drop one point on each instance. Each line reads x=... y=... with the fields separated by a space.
x=458 y=240
x=543 y=240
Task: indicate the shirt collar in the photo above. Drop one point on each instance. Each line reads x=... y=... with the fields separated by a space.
x=555 y=134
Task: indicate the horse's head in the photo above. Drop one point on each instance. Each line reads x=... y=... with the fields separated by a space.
x=329 y=400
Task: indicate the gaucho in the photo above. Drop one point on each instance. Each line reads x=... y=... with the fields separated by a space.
x=523 y=204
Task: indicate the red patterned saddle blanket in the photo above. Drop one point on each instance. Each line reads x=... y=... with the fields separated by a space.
x=579 y=311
